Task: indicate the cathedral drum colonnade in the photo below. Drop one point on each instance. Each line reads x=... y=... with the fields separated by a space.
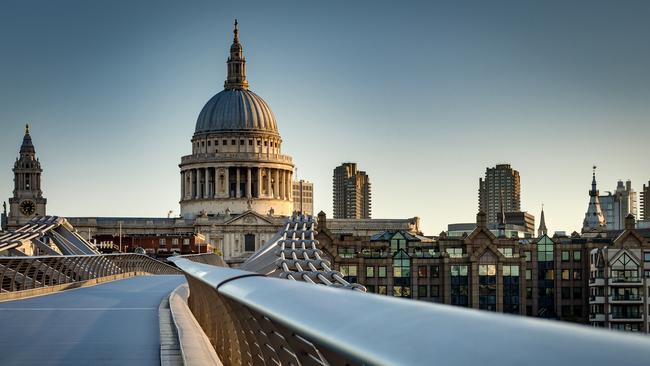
x=236 y=163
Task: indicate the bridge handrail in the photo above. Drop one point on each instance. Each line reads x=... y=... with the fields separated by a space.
x=28 y=273
x=246 y=314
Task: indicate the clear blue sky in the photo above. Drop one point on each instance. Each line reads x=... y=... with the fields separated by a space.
x=423 y=95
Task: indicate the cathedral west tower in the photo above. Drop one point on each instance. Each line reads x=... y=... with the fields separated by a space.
x=27 y=201
x=236 y=163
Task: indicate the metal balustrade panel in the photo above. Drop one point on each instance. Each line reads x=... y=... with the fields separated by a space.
x=23 y=273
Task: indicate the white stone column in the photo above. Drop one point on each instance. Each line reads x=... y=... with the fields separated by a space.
x=197 y=188
x=238 y=190
x=269 y=193
x=226 y=178
x=208 y=188
x=182 y=185
x=248 y=183
x=276 y=186
x=259 y=183
x=290 y=186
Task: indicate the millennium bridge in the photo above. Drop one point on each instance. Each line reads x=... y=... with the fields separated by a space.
x=284 y=306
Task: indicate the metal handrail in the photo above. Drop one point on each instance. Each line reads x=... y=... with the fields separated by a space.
x=253 y=319
x=26 y=273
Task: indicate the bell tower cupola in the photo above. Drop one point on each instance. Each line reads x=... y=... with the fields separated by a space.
x=27 y=201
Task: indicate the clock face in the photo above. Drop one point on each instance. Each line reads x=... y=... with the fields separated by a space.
x=27 y=207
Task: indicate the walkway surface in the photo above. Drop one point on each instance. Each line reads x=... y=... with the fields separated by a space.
x=114 y=323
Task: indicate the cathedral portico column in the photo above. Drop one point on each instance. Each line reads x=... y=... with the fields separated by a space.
x=208 y=190
x=268 y=183
x=182 y=185
x=276 y=186
x=258 y=191
x=290 y=186
x=195 y=185
x=248 y=183
x=226 y=182
x=238 y=188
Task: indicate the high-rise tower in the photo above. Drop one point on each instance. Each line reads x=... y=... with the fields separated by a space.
x=27 y=201
x=645 y=202
x=500 y=187
x=352 y=198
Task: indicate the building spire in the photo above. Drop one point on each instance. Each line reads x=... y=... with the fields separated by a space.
x=27 y=147
x=594 y=218
x=236 y=63
x=542 y=224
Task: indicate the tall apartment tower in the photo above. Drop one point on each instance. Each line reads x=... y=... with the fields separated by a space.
x=500 y=182
x=351 y=193
x=618 y=204
x=303 y=197
x=645 y=202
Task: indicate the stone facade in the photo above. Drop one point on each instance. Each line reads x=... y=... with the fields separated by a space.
x=303 y=197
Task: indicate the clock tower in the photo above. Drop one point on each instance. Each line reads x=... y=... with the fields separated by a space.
x=28 y=201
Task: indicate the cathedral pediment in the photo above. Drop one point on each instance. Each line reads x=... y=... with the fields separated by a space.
x=249 y=218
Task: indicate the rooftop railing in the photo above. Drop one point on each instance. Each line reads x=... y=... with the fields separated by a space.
x=253 y=319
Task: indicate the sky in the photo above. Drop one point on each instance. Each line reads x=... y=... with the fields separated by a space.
x=422 y=95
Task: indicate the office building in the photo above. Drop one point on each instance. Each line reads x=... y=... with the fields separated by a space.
x=352 y=198
x=501 y=186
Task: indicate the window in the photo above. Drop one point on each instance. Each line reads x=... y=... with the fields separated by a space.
x=370 y=288
x=241 y=142
x=577 y=293
x=529 y=274
x=624 y=268
x=566 y=293
x=422 y=291
x=511 y=289
x=435 y=291
x=186 y=241
x=527 y=255
x=224 y=142
x=566 y=274
x=381 y=271
x=565 y=255
x=401 y=265
x=370 y=271
x=397 y=243
x=401 y=291
x=646 y=256
x=250 y=142
x=577 y=311
x=459 y=285
x=454 y=252
x=422 y=271
x=349 y=272
x=487 y=287
x=435 y=271
x=163 y=242
x=507 y=252
x=529 y=293
x=249 y=242
x=577 y=274
x=382 y=290
x=346 y=252
x=577 y=256
x=175 y=242
x=233 y=142
x=545 y=250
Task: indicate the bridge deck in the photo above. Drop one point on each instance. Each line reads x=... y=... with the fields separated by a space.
x=112 y=323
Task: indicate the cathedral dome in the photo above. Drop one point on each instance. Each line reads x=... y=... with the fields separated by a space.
x=236 y=110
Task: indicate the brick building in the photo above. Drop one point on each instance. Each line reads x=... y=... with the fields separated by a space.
x=545 y=277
